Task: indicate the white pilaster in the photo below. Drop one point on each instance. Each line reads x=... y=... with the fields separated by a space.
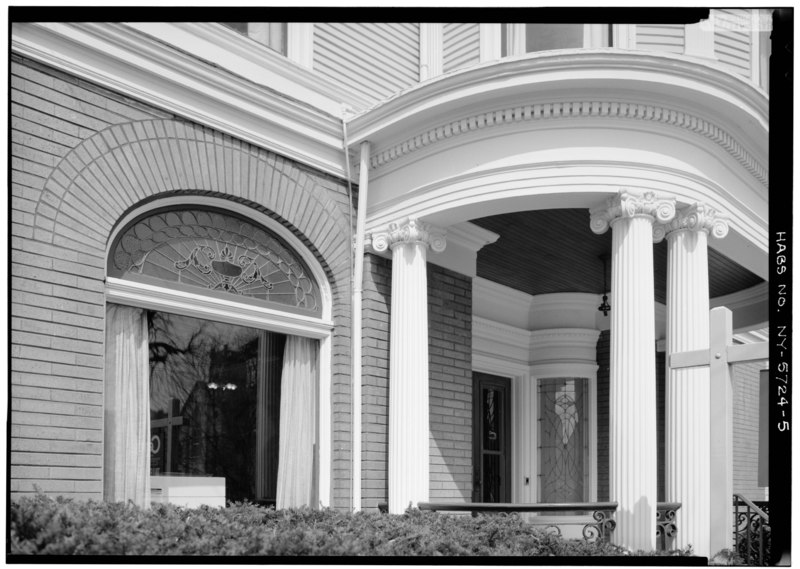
x=515 y=39
x=408 y=361
x=688 y=389
x=632 y=429
x=490 y=47
x=699 y=39
x=431 y=50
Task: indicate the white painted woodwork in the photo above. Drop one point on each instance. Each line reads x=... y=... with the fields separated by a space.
x=490 y=47
x=409 y=425
x=632 y=390
x=461 y=46
x=721 y=431
x=430 y=50
x=376 y=59
x=688 y=393
x=699 y=39
x=300 y=43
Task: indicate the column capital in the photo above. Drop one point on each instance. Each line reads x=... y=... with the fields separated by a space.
x=627 y=204
x=409 y=231
x=697 y=217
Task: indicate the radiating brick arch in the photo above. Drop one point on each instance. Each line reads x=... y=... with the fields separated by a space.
x=124 y=165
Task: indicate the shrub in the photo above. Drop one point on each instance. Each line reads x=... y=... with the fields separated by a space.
x=41 y=525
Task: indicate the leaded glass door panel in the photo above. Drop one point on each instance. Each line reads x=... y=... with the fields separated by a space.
x=491 y=437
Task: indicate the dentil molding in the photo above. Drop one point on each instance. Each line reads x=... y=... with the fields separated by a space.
x=563 y=110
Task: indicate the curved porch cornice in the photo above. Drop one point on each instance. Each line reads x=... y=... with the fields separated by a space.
x=685 y=91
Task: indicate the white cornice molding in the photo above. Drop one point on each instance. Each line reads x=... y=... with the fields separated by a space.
x=123 y=59
x=565 y=110
x=496 y=293
x=579 y=64
x=653 y=87
x=134 y=293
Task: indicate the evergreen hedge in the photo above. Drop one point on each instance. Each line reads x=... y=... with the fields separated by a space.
x=46 y=526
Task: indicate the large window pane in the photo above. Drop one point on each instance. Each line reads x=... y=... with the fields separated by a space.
x=215 y=402
x=541 y=37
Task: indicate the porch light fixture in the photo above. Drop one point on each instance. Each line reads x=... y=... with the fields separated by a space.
x=604 y=306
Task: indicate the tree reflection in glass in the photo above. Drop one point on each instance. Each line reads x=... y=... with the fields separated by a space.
x=213 y=394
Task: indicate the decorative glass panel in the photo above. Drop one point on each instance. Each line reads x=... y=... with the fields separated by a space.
x=492 y=406
x=215 y=403
x=216 y=251
x=564 y=463
x=492 y=472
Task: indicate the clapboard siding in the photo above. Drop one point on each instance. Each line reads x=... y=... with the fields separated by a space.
x=732 y=40
x=745 y=378
x=376 y=60
x=461 y=46
x=661 y=37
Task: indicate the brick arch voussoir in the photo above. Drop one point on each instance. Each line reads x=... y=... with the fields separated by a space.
x=126 y=164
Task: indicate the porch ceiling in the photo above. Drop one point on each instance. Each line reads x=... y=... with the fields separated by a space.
x=554 y=250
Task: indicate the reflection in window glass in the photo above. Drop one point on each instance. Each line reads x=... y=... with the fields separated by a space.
x=269 y=34
x=215 y=403
x=541 y=37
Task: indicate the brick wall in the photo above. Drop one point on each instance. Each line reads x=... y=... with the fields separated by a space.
x=450 y=366
x=450 y=356
x=81 y=157
x=603 y=444
x=745 y=430
x=376 y=307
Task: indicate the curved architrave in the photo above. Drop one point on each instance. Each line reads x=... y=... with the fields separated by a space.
x=578 y=184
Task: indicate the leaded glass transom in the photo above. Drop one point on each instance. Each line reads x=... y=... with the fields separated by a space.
x=215 y=251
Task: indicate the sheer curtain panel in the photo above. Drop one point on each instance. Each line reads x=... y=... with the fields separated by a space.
x=297 y=426
x=127 y=407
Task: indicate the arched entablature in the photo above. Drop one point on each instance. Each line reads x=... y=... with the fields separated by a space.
x=539 y=139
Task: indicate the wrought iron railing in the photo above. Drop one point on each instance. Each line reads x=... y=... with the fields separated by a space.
x=600 y=528
x=751 y=530
x=666 y=526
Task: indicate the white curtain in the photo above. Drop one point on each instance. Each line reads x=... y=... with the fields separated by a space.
x=298 y=413
x=127 y=407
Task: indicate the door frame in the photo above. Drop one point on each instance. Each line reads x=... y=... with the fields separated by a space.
x=506 y=384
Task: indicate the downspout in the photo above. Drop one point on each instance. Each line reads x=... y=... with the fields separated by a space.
x=357 y=287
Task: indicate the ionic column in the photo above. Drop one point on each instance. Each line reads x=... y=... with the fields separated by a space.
x=632 y=429
x=408 y=361
x=688 y=389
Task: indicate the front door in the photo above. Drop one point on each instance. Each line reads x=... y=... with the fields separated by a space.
x=491 y=438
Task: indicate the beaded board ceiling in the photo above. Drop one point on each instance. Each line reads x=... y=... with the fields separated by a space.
x=215 y=251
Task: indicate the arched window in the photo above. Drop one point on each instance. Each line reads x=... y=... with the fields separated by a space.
x=214 y=326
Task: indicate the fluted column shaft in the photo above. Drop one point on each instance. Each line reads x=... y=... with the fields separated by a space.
x=688 y=389
x=633 y=458
x=409 y=470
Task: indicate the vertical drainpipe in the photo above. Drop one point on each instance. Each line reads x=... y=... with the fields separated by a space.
x=358 y=287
